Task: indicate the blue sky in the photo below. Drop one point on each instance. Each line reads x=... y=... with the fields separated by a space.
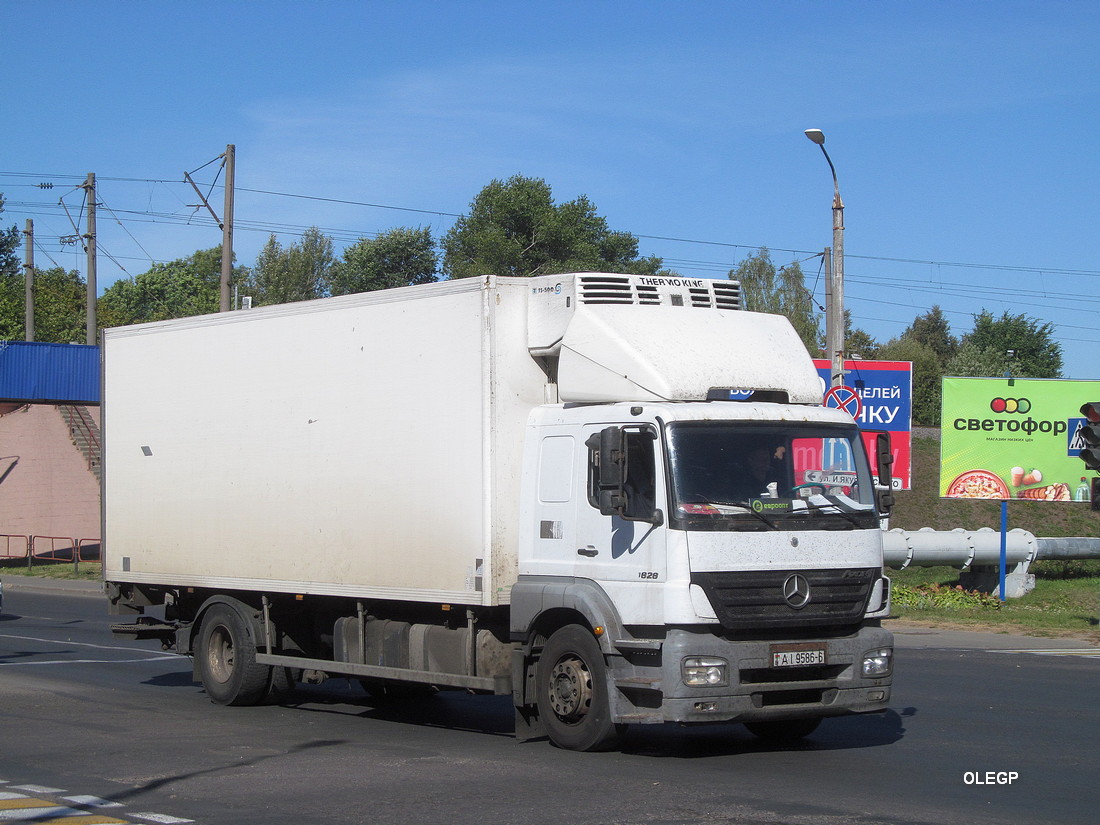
x=964 y=133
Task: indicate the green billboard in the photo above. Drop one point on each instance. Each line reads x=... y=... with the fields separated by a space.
x=1005 y=438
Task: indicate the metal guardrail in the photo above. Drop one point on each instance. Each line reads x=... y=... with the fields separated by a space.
x=979 y=548
x=82 y=428
x=1069 y=548
x=7 y=550
x=60 y=549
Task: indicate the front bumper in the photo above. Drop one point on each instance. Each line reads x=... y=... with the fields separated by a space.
x=756 y=691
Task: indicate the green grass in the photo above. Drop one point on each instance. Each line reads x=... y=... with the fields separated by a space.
x=86 y=571
x=1065 y=601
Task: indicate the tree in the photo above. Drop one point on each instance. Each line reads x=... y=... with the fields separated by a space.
x=399 y=257
x=515 y=228
x=177 y=289
x=932 y=330
x=858 y=343
x=59 y=306
x=929 y=344
x=1028 y=344
x=779 y=291
x=974 y=361
x=9 y=242
x=299 y=272
x=928 y=372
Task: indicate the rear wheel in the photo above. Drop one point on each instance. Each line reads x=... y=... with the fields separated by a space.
x=572 y=692
x=226 y=657
x=783 y=730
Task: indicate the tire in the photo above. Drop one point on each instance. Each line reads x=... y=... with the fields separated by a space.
x=284 y=681
x=571 y=692
x=227 y=659
x=783 y=731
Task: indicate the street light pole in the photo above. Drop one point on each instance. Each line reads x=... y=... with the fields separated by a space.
x=834 y=309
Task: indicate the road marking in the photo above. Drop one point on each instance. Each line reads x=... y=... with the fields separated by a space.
x=79 y=818
x=18 y=807
x=43 y=812
x=20 y=802
x=66 y=642
x=172 y=656
x=93 y=802
x=150 y=657
x=1086 y=652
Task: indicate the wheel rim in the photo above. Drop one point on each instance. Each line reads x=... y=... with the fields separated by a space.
x=220 y=653
x=570 y=689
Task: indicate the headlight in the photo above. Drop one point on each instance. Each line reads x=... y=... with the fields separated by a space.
x=700 y=671
x=878 y=663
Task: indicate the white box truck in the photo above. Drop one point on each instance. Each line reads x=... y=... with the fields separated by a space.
x=617 y=498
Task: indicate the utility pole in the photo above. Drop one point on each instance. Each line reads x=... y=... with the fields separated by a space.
x=834 y=309
x=28 y=277
x=89 y=247
x=227 y=227
x=827 y=257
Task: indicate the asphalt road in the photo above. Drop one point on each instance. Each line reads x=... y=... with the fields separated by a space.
x=979 y=731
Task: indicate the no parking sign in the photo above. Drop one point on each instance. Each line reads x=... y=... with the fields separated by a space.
x=844 y=398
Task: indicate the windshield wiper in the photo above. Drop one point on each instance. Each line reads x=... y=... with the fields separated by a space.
x=830 y=508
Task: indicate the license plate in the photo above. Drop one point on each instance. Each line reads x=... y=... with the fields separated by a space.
x=797 y=655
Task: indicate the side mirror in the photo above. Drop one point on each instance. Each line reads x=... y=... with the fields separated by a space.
x=609 y=444
x=884 y=458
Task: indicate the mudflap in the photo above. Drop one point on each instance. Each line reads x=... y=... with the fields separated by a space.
x=528 y=724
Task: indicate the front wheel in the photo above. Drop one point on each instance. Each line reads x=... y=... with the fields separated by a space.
x=226 y=657
x=783 y=731
x=572 y=692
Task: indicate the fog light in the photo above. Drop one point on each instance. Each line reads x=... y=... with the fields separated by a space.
x=706 y=707
x=876 y=695
x=704 y=672
x=878 y=663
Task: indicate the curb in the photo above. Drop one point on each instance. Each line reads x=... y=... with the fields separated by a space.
x=33 y=584
x=920 y=636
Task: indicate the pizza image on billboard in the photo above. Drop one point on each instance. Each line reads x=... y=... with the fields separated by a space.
x=978 y=484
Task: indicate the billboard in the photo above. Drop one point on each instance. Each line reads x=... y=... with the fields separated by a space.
x=1005 y=438
x=879 y=396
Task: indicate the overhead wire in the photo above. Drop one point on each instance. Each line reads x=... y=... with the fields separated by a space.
x=702 y=266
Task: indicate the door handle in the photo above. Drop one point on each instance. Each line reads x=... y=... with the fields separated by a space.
x=589 y=551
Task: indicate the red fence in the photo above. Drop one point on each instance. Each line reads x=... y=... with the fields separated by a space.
x=50 y=549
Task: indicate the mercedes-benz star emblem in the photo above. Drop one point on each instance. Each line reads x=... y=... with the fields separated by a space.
x=796 y=591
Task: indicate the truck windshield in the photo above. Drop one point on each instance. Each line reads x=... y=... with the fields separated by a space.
x=730 y=476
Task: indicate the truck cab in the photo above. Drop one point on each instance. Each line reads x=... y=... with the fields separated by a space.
x=723 y=550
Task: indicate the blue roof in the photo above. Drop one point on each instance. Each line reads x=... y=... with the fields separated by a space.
x=49 y=373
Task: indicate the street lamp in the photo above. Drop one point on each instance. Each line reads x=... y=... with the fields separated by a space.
x=834 y=305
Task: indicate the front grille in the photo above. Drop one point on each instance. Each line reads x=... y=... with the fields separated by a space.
x=755 y=599
x=776 y=675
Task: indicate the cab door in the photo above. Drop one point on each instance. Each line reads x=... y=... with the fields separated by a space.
x=629 y=547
